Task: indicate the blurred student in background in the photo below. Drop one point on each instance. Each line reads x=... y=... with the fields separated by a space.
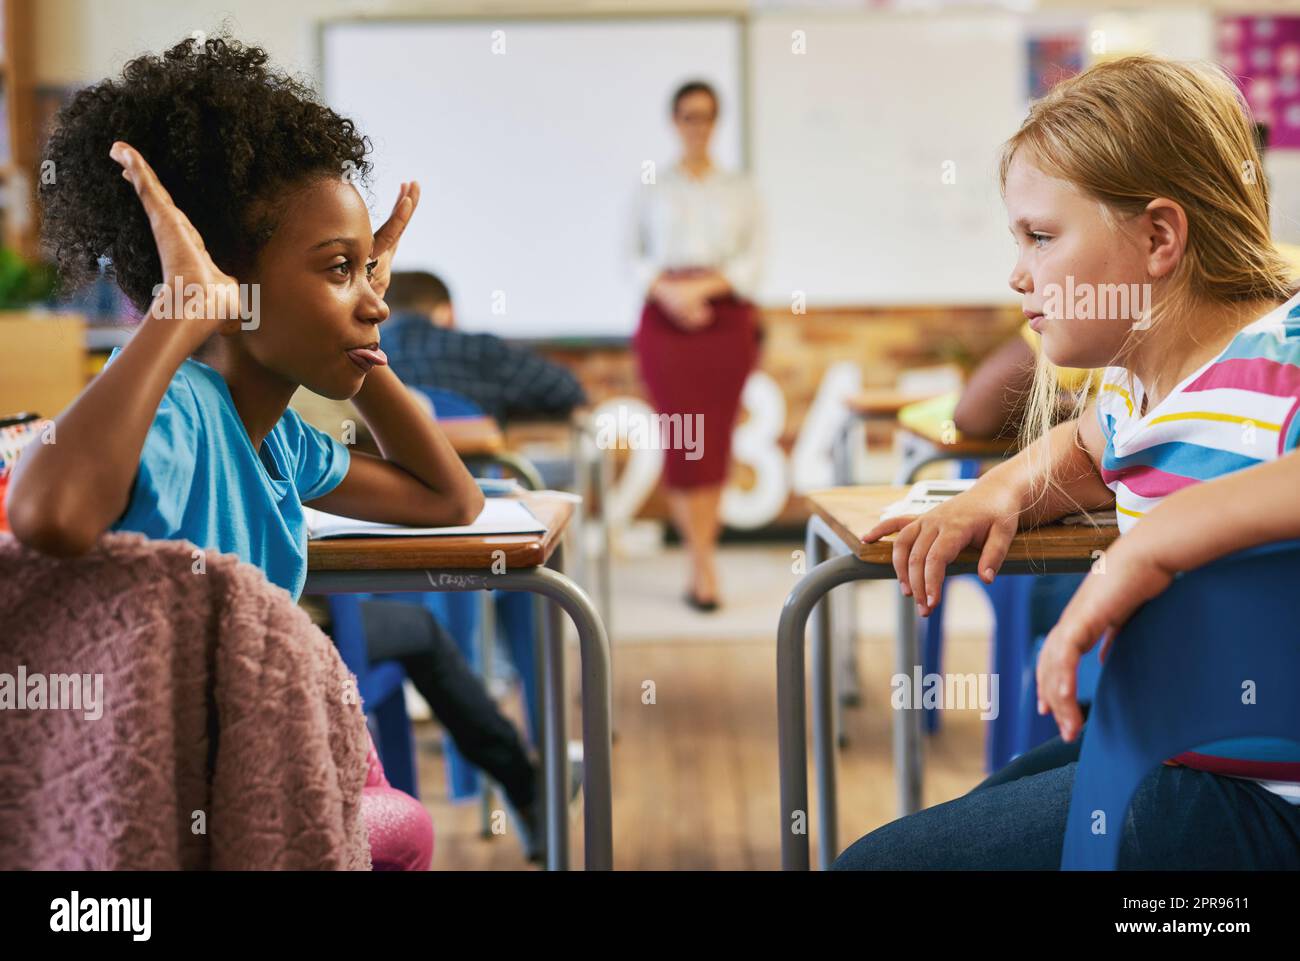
x=427 y=350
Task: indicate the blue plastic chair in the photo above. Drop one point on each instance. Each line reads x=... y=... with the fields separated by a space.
x=448 y=405
x=380 y=687
x=1175 y=681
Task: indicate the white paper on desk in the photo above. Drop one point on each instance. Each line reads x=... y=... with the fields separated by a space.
x=500 y=516
x=925 y=495
x=928 y=494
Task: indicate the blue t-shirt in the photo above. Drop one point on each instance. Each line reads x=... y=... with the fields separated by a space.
x=200 y=479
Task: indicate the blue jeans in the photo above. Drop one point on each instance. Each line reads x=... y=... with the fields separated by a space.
x=1179 y=819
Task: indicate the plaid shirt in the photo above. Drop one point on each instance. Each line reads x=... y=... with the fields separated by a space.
x=502 y=379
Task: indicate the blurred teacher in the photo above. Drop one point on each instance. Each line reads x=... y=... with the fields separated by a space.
x=697 y=257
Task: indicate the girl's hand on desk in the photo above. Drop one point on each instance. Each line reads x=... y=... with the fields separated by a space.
x=185 y=259
x=1127 y=577
x=927 y=544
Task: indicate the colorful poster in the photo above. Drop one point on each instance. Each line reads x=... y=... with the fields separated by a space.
x=1053 y=57
x=1263 y=53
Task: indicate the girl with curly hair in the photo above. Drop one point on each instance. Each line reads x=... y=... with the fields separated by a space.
x=198 y=176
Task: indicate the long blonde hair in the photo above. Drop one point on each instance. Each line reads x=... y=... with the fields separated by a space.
x=1132 y=129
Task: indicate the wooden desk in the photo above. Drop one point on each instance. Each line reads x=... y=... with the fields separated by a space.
x=836 y=555
x=448 y=553
x=474 y=436
x=958 y=447
x=882 y=401
x=850 y=512
x=926 y=434
x=872 y=403
x=534 y=563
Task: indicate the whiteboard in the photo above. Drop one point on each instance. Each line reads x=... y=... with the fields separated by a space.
x=528 y=138
x=850 y=139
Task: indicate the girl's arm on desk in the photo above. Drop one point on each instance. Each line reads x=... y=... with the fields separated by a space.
x=420 y=480
x=1186 y=530
x=1009 y=498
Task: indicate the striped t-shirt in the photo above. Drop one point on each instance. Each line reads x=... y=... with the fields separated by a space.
x=1238 y=410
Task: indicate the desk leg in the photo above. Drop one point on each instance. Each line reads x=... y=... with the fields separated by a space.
x=604 y=564
x=913 y=454
x=606 y=551
x=841 y=462
x=907 y=723
x=555 y=748
x=791 y=709
x=591 y=474
x=593 y=646
x=848 y=679
x=827 y=713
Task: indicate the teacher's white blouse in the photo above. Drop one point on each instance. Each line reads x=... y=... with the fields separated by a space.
x=712 y=222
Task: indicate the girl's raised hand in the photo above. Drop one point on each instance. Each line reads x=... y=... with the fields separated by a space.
x=387 y=236
x=927 y=544
x=185 y=259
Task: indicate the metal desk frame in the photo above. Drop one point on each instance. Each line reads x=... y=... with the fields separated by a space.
x=832 y=562
x=593 y=646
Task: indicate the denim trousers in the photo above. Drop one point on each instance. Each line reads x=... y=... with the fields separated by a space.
x=1179 y=819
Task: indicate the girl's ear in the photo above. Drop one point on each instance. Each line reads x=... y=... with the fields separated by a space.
x=1165 y=240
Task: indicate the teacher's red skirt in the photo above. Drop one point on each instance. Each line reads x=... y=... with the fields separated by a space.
x=698 y=372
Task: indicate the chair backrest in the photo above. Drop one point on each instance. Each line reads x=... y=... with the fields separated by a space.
x=448 y=404
x=1216 y=656
x=221 y=695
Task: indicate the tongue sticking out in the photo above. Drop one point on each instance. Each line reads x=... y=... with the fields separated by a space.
x=366 y=358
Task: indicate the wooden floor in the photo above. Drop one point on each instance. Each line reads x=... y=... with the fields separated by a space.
x=695 y=773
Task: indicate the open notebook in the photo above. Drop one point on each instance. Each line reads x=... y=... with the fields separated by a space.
x=928 y=494
x=500 y=516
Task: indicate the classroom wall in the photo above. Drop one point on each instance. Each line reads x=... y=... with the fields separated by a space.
x=79 y=41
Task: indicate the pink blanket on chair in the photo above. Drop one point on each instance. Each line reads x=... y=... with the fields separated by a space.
x=226 y=733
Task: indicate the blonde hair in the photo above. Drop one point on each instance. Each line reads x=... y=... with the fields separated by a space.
x=1130 y=130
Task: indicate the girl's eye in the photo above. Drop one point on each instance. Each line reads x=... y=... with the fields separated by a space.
x=1038 y=239
x=370 y=268
x=344 y=265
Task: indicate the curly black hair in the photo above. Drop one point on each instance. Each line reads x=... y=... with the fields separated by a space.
x=227 y=135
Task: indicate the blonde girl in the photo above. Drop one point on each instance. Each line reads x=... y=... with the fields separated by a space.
x=1138 y=177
